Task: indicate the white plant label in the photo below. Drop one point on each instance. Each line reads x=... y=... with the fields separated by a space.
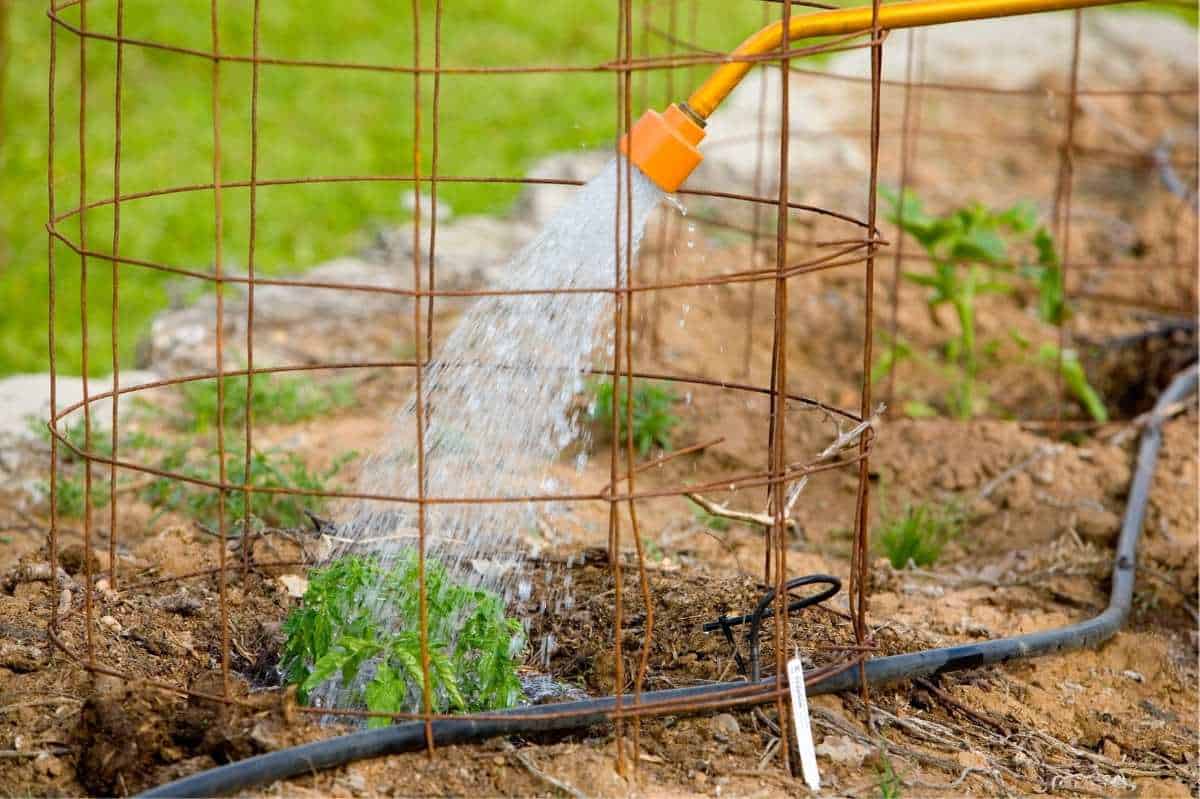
x=804 y=739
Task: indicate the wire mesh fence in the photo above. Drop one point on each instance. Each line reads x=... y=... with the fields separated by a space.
x=906 y=122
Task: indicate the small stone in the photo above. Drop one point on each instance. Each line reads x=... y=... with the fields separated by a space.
x=50 y=765
x=180 y=602
x=725 y=724
x=357 y=783
x=981 y=508
x=1136 y=676
x=700 y=778
x=842 y=749
x=1097 y=525
x=294 y=584
x=111 y=623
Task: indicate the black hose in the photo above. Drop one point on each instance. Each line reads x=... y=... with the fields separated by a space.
x=410 y=736
x=764 y=611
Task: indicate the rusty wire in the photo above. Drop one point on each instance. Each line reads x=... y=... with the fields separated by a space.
x=682 y=53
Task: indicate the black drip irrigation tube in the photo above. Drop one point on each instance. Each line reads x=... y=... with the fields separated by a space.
x=410 y=736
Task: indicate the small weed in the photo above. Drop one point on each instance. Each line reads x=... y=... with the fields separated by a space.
x=70 y=483
x=971 y=250
x=473 y=646
x=653 y=421
x=275 y=400
x=268 y=469
x=919 y=533
x=70 y=491
x=889 y=782
x=893 y=354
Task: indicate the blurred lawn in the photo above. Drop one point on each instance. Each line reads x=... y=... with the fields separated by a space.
x=311 y=122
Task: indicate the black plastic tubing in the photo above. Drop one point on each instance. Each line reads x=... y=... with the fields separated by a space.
x=410 y=736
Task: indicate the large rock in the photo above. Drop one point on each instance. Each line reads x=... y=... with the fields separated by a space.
x=25 y=400
x=334 y=322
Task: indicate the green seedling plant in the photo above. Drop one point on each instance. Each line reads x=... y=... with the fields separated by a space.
x=274 y=400
x=70 y=483
x=653 y=421
x=967 y=249
x=268 y=469
x=889 y=782
x=975 y=251
x=474 y=648
x=919 y=533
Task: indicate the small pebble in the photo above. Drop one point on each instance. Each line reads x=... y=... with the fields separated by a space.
x=725 y=724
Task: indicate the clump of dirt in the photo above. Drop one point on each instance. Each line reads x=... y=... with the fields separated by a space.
x=576 y=644
x=101 y=735
x=131 y=737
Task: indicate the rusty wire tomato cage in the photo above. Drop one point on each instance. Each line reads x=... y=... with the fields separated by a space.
x=69 y=20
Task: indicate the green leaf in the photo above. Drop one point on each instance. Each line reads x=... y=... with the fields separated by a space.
x=1020 y=218
x=1075 y=380
x=480 y=673
x=385 y=694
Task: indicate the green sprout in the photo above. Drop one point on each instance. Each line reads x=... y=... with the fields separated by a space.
x=653 y=421
x=268 y=469
x=889 y=782
x=970 y=251
x=473 y=647
x=69 y=485
x=274 y=400
x=919 y=533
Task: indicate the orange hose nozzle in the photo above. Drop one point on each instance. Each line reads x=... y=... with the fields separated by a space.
x=663 y=146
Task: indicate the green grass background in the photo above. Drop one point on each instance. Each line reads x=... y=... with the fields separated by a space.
x=312 y=122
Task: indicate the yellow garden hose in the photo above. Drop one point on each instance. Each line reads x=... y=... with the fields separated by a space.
x=664 y=145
